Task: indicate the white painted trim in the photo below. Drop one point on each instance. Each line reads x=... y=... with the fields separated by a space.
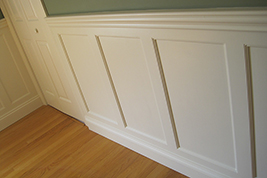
x=19 y=107
x=252 y=25
x=22 y=52
x=3 y=23
x=241 y=20
x=20 y=111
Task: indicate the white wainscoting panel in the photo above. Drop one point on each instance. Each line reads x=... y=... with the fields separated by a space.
x=197 y=80
x=13 y=4
x=43 y=56
x=176 y=81
x=62 y=89
x=43 y=75
x=50 y=67
x=18 y=95
x=95 y=86
x=12 y=79
x=128 y=67
x=29 y=11
x=258 y=57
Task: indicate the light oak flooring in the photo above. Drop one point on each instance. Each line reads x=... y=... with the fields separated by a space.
x=48 y=143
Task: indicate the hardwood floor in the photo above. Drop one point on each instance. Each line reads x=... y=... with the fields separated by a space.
x=48 y=143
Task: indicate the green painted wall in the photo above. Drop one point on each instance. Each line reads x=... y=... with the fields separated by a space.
x=59 y=7
x=1 y=15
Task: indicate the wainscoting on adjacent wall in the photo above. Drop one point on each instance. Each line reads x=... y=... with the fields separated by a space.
x=173 y=86
x=18 y=96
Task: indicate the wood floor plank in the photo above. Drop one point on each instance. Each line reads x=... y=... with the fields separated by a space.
x=90 y=149
x=19 y=126
x=42 y=165
x=99 y=158
x=31 y=134
x=137 y=168
x=48 y=143
x=113 y=159
x=19 y=159
x=39 y=152
x=120 y=164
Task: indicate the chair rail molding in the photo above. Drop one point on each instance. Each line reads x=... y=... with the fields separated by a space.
x=221 y=19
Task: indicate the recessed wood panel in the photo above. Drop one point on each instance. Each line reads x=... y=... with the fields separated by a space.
x=18 y=96
x=5 y=101
x=197 y=81
x=14 y=6
x=41 y=72
x=91 y=76
x=129 y=71
x=29 y=10
x=53 y=73
x=259 y=85
x=10 y=75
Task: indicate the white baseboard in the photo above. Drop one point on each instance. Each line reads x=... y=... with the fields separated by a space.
x=19 y=112
x=153 y=152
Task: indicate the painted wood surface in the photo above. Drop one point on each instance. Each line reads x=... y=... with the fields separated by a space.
x=18 y=95
x=27 y=16
x=172 y=86
x=180 y=87
x=258 y=61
